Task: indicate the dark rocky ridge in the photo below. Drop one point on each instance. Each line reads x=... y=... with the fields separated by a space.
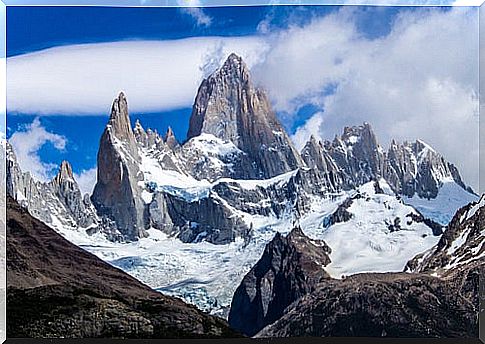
x=56 y=289
x=462 y=241
x=391 y=304
x=290 y=267
x=419 y=304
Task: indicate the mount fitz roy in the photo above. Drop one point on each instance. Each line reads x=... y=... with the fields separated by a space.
x=237 y=183
x=233 y=135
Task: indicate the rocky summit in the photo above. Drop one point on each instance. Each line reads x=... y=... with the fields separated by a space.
x=229 y=107
x=58 y=202
x=116 y=194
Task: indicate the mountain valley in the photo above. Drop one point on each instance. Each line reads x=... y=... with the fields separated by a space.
x=239 y=223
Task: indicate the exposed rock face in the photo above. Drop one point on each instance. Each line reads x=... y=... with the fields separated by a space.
x=415 y=168
x=150 y=143
x=357 y=154
x=56 y=289
x=317 y=157
x=355 y=158
x=289 y=268
x=170 y=139
x=377 y=305
x=341 y=214
x=116 y=194
x=58 y=202
x=206 y=219
x=229 y=107
x=67 y=190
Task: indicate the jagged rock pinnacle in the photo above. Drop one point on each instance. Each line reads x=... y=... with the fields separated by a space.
x=313 y=140
x=116 y=193
x=229 y=107
x=236 y=66
x=170 y=138
x=119 y=120
x=65 y=172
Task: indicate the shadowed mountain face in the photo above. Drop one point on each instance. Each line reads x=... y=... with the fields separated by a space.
x=289 y=268
x=462 y=243
x=375 y=305
x=56 y=289
x=116 y=193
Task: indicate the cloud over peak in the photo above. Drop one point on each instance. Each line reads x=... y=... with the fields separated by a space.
x=420 y=80
x=82 y=79
x=27 y=143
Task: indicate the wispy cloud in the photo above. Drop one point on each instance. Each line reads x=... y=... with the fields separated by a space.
x=194 y=9
x=419 y=81
x=27 y=143
x=200 y=17
x=86 y=180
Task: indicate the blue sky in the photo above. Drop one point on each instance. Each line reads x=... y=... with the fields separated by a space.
x=158 y=52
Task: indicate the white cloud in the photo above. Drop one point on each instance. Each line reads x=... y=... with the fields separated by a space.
x=311 y=127
x=213 y=60
x=198 y=14
x=379 y=2
x=83 y=79
x=420 y=81
x=27 y=143
x=467 y=3
x=86 y=180
x=194 y=9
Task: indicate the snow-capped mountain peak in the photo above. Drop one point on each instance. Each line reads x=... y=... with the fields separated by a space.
x=231 y=108
x=219 y=197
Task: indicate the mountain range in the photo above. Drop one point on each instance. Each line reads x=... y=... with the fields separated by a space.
x=196 y=219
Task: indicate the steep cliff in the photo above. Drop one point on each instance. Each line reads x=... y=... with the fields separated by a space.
x=117 y=194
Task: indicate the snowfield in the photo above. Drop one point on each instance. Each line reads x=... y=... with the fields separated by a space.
x=207 y=275
x=441 y=209
x=365 y=243
x=188 y=270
